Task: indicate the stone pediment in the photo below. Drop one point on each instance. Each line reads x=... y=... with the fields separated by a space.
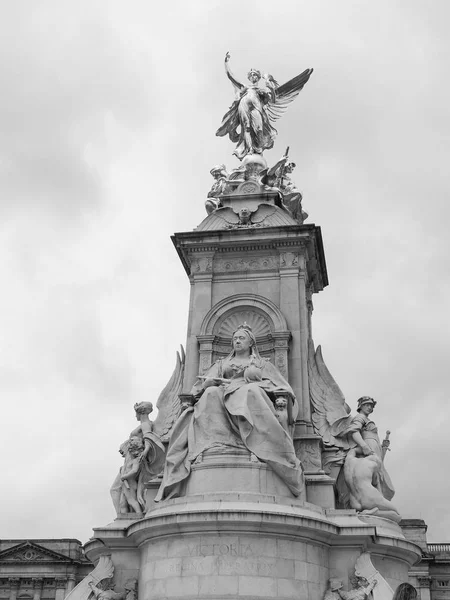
x=29 y=552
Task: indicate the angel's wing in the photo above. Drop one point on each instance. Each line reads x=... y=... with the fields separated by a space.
x=331 y=412
x=103 y=570
x=284 y=94
x=168 y=402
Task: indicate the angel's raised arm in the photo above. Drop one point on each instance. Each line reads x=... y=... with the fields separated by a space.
x=236 y=84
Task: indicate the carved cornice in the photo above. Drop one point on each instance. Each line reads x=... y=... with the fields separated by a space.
x=306 y=240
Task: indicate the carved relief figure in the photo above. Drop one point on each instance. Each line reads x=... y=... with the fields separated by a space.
x=105 y=590
x=355 y=440
x=361 y=589
x=281 y=411
x=248 y=123
x=234 y=409
x=332 y=592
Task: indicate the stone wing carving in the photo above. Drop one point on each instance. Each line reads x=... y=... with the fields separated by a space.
x=331 y=413
x=365 y=568
x=264 y=211
x=103 y=570
x=168 y=404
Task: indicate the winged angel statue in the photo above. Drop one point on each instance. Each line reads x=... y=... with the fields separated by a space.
x=248 y=123
x=355 y=455
x=144 y=451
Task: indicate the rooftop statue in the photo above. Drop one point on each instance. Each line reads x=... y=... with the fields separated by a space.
x=236 y=408
x=248 y=122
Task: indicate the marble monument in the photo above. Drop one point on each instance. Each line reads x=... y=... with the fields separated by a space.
x=255 y=480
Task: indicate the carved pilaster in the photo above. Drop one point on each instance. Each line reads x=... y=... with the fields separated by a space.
x=60 y=588
x=308 y=451
x=37 y=587
x=186 y=401
x=206 y=352
x=281 y=351
x=310 y=308
x=424 y=582
x=70 y=582
x=14 y=583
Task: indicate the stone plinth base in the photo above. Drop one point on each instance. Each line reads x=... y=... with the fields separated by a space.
x=235 y=471
x=252 y=546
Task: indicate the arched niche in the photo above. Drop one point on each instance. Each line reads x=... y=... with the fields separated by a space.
x=264 y=317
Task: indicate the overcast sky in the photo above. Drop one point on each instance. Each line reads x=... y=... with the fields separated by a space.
x=108 y=112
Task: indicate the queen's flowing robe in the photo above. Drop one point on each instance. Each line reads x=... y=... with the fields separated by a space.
x=239 y=414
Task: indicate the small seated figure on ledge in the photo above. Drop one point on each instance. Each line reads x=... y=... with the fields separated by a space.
x=235 y=409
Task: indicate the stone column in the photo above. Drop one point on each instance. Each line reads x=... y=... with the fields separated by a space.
x=60 y=588
x=14 y=583
x=305 y=410
x=289 y=306
x=37 y=587
x=424 y=587
x=206 y=352
x=70 y=583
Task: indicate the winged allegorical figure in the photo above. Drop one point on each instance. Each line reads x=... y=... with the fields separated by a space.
x=248 y=122
x=362 y=481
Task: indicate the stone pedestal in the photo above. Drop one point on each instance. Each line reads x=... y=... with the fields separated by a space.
x=245 y=545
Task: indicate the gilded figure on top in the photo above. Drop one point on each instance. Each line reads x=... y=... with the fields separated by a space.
x=248 y=122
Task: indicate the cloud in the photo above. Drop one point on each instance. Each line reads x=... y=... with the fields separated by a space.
x=108 y=113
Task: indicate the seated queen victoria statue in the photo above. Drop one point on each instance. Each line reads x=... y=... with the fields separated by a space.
x=235 y=409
